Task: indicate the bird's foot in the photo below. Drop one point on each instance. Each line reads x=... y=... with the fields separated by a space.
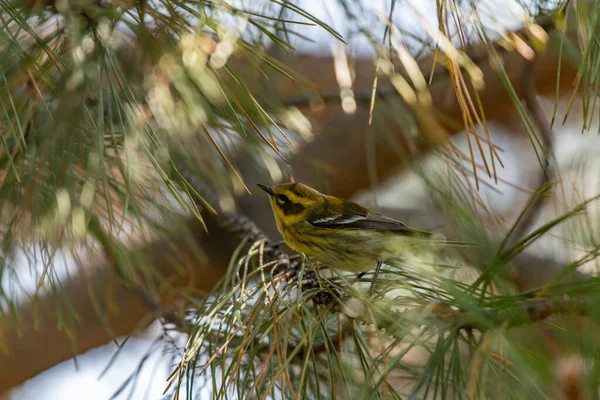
x=372 y=288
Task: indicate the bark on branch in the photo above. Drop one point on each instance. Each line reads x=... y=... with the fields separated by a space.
x=104 y=309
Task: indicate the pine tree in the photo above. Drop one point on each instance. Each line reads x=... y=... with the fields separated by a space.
x=133 y=132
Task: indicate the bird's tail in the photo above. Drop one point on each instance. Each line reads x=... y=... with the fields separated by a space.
x=436 y=238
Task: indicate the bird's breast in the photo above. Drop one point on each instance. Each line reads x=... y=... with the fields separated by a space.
x=349 y=250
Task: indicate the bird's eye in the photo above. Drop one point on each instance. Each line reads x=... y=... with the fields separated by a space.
x=282 y=199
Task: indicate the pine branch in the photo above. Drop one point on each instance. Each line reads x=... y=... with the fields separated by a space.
x=542 y=126
x=450 y=318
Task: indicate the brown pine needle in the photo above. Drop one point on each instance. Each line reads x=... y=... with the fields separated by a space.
x=479 y=121
x=271 y=145
x=458 y=153
x=229 y=164
x=373 y=94
x=461 y=102
x=466 y=104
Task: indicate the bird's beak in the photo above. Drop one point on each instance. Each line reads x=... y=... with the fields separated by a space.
x=266 y=189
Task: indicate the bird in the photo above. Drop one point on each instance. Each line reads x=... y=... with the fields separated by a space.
x=339 y=233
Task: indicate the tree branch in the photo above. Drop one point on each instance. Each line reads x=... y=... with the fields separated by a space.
x=103 y=310
x=527 y=311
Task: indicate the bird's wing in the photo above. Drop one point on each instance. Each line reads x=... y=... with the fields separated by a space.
x=353 y=216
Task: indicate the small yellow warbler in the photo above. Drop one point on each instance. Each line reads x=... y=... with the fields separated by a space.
x=339 y=233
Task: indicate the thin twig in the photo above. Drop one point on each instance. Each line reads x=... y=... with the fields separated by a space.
x=542 y=126
x=529 y=311
x=449 y=318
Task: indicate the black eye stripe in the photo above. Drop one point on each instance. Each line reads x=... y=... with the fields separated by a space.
x=293 y=208
x=288 y=206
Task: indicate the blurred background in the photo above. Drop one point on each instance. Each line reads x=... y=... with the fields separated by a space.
x=110 y=107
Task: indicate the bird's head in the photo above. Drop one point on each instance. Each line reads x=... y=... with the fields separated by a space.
x=292 y=202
